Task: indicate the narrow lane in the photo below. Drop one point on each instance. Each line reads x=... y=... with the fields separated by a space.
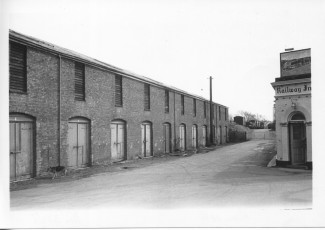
x=234 y=175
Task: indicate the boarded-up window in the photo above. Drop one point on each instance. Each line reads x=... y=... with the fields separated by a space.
x=194 y=107
x=146 y=97
x=182 y=105
x=17 y=66
x=205 y=109
x=79 y=82
x=118 y=91
x=226 y=114
x=166 y=101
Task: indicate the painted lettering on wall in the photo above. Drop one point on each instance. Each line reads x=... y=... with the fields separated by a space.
x=293 y=89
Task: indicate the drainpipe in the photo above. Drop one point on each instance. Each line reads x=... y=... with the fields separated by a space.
x=211 y=113
x=174 y=124
x=59 y=114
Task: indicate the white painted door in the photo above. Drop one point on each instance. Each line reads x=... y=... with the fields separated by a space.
x=167 y=138
x=204 y=136
x=146 y=139
x=194 y=137
x=117 y=141
x=21 y=150
x=182 y=137
x=78 y=150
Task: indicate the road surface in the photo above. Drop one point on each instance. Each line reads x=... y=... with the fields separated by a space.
x=231 y=176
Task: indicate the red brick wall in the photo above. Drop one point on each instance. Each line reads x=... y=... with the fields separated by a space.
x=41 y=102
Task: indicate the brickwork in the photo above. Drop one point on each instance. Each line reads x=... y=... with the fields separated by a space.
x=42 y=102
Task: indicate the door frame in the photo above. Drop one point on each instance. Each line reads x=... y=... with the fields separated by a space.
x=204 y=137
x=120 y=122
x=83 y=120
x=170 y=137
x=196 y=136
x=182 y=125
x=25 y=118
x=145 y=123
x=302 y=122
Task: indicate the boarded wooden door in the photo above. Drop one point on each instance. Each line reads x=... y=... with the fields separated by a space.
x=194 y=136
x=204 y=136
x=117 y=141
x=182 y=136
x=21 y=150
x=167 y=139
x=146 y=139
x=298 y=143
x=78 y=137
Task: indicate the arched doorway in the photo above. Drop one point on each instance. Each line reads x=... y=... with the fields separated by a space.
x=167 y=137
x=22 y=147
x=194 y=136
x=204 y=135
x=146 y=139
x=297 y=138
x=118 y=136
x=78 y=141
x=182 y=137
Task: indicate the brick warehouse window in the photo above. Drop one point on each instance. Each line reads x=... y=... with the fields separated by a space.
x=194 y=107
x=79 y=82
x=182 y=105
x=17 y=68
x=166 y=101
x=205 y=109
x=118 y=91
x=146 y=97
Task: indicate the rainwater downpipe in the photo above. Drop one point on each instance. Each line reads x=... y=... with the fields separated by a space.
x=174 y=124
x=59 y=114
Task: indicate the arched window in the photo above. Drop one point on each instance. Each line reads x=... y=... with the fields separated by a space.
x=298 y=117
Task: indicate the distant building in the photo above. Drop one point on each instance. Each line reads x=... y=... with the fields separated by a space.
x=293 y=110
x=240 y=120
x=72 y=110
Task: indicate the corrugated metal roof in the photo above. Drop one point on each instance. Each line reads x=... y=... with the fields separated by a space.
x=35 y=42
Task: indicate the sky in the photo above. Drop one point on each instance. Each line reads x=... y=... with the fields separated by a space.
x=182 y=43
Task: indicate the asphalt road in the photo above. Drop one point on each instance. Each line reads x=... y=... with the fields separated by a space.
x=235 y=175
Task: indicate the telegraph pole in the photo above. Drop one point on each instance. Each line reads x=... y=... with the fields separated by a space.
x=211 y=113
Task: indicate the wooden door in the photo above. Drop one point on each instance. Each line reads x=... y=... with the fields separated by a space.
x=218 y=136
x=204 y=136
x=82 y=145
x=298 y=143
x=21 y=150
x=120 y=141
x=146 y=139
x=182 y=137
x=194 y=136
x=117 y=141
x=78 y=150
x=167 y=138
x=114 y=142
x=73 y=144
x=221 y=141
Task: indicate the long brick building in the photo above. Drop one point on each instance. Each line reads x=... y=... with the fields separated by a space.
x=71 y=110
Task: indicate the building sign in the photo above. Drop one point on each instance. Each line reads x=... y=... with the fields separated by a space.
x=295 y=63
x=297 y=89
